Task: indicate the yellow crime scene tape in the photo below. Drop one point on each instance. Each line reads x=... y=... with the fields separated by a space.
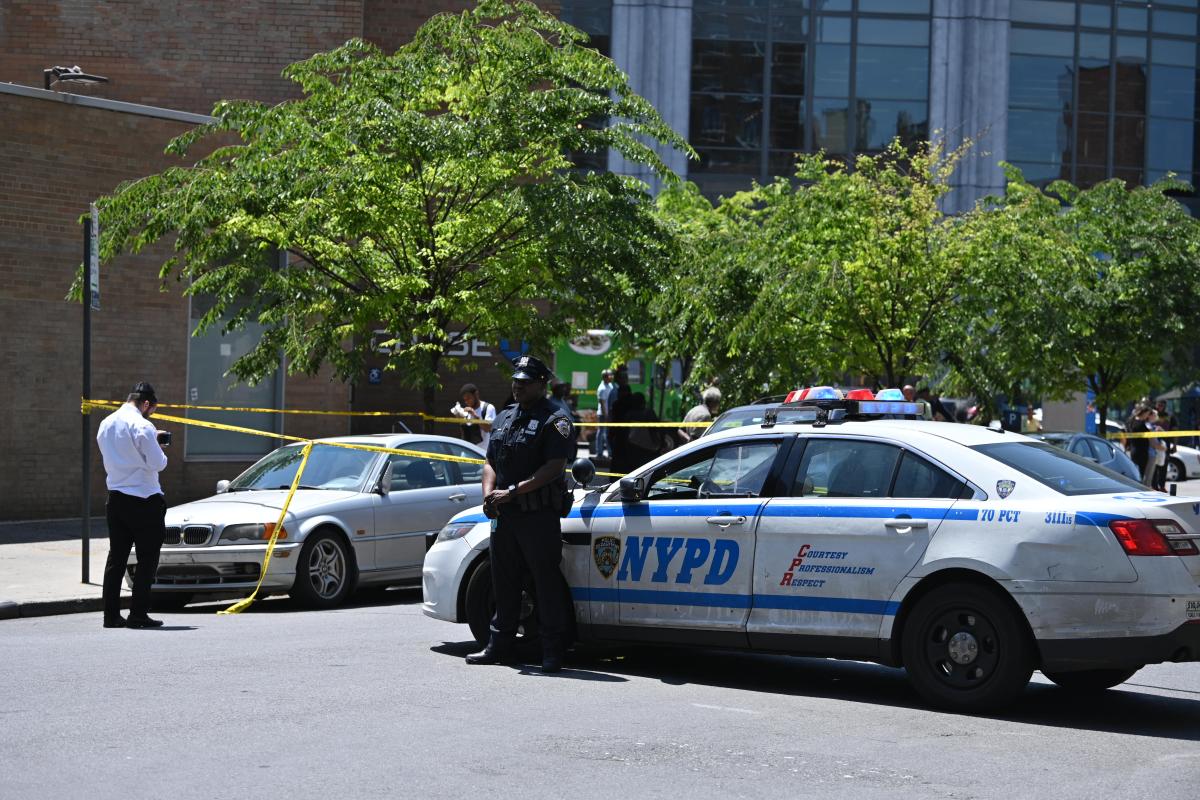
x=1152 y=434
x=87 y=406
x=423 y=415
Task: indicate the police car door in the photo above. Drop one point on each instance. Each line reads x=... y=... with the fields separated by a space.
x=828 y=557
x=687 y=548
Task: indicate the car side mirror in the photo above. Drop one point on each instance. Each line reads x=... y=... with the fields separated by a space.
x=583 y=470
x=222 y=487
x=385 y=481
x=632 y=489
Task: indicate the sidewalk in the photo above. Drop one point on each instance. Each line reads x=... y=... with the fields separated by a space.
x=41 y=568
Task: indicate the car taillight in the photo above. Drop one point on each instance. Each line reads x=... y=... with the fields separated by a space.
x=1152 y=537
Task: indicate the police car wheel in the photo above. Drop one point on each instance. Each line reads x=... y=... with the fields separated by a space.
x=1175 y=471
x=481 y=605
x=1091 y=680
x=965 y=649
x=324 y=572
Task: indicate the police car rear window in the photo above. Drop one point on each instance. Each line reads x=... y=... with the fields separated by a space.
x=1063 y=472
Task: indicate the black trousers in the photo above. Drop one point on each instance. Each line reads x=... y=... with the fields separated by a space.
x=528 y=543
x=133 y=522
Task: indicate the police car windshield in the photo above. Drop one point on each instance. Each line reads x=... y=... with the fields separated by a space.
x=327 y=468
x=753 y=415
x=1062 y=471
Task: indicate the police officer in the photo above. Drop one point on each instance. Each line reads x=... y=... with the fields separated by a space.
x=525 y=492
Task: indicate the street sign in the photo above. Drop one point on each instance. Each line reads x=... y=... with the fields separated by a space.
x=94 y=260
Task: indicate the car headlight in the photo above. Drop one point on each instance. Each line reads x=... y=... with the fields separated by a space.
x=260 y=531
x=455 y=530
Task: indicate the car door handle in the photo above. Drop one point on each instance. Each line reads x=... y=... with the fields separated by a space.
x=904 y=525
x=458 y=497
x=725 y=520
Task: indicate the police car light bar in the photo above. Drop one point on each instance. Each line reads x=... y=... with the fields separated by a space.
x=874 y=407
x=830 y=410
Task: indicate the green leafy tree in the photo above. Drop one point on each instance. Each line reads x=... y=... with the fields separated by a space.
x=429 y=193
x=1007 y=332
x=1133 y=303
x=831 y=272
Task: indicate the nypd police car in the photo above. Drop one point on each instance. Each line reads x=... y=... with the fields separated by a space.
x=855 y=529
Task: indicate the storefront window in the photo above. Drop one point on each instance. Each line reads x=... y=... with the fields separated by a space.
x=210 y=357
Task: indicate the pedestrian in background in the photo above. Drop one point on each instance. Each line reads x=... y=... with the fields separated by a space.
x=131 y=448
x=471 y=407
x=525 y=492
x=1029 y=423
x=645 y=443
x=604 y=396
x=1158 y=455
x=1139 y=448
x=710 y=401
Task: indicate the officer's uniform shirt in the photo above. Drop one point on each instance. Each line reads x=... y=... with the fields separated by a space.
x=132 y=456
x=522 y=441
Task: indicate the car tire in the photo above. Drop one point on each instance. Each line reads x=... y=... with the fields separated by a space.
x=169 y=601
x=1175 y=471
x=480 y=605
x=1089 y=681
x=966 y=648
x=325 y=573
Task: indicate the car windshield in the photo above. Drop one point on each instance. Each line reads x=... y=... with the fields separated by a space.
x=1062 y=471
x=1057 y=441
x=327 y=468
x=741 y=417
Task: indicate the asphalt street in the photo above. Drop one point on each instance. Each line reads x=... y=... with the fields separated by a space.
x=374 y=700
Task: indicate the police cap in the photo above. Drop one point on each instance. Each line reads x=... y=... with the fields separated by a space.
x=528 y=368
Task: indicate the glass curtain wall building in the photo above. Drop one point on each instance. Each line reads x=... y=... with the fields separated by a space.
x=1103 y=89
x=770 y=78
x=1075 y=89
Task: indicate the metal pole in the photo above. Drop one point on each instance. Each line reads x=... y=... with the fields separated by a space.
x=85 y=483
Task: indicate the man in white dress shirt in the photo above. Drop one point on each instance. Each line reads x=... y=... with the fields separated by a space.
x=133 y=457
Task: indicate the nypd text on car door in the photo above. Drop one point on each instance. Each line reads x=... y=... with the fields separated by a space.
x=687 y=549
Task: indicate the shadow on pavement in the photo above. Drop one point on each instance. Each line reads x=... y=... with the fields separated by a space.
x=1114 y=711
x=528 y=664
x=165 y=628
x=282 y=604
x=52 y=530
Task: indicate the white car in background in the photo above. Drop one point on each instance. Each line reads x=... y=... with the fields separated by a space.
x=833 y=528
x=359 y=518
x=1182 y=465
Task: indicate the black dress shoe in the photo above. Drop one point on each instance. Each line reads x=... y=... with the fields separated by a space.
x=490 y=655
x=115 y=622
x=143 y=622
x=552 y=662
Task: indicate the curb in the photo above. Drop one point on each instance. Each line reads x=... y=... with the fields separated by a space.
x=50 y=608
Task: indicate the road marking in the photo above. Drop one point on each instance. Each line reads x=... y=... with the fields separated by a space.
x=725 y=708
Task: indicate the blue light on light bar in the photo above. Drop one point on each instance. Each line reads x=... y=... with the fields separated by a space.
x=890 y=407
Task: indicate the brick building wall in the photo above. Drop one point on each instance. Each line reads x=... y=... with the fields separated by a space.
x=169 y=53
x=57 y=153
x=188 y=55
x=55 y=157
